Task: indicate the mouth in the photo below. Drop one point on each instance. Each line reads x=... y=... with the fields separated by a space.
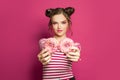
x=59 y=30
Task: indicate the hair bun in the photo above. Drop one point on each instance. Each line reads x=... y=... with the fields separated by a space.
x=69 y=10
x=49 y=12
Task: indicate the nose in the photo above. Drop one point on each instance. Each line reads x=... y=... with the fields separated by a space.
x=59 y=26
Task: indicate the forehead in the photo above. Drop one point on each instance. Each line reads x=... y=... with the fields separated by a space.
x=59 y=17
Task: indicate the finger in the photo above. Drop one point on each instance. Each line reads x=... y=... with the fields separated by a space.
x=46 y=58
x=73 y=54
x=45 y=54
x=44 y=63
x=75 y=60
x=72 y=57
x=39 y=57
x=74 y=49
x=44 y=51
x=41 y=52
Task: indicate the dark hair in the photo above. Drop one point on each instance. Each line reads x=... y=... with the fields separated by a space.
x=67 y=12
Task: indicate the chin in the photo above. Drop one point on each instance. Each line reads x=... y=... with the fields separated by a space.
x=60 y=35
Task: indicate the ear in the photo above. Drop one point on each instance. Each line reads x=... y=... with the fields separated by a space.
x=69 y=10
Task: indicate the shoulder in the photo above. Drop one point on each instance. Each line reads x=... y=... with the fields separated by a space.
x=69 y=39
x=46 y=43
x=76 y=44
x=43 y=40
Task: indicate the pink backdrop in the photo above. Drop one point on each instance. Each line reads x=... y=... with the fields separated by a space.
x=96 y=25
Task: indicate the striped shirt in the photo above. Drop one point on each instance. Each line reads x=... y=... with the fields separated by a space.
x=58 y=68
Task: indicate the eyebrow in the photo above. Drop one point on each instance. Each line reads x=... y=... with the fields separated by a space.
x=60 y=21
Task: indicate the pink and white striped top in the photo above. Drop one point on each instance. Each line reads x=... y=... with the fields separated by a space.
x=59 y=67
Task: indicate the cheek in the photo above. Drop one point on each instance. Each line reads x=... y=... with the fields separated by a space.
x=66 y=28
x=54 y=28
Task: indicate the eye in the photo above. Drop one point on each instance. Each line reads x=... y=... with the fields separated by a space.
x=54 y=23
x=64 y=22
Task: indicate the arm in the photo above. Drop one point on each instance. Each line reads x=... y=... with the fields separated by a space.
x=44 y=55
x=74 y=54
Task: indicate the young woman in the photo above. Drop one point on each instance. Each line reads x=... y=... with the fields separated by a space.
x=58 y=52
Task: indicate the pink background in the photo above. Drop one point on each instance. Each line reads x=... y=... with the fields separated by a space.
x=96 y=25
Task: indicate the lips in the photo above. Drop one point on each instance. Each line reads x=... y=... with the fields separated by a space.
x=59 y=30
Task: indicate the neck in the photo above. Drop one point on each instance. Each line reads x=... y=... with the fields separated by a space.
x=59 y=38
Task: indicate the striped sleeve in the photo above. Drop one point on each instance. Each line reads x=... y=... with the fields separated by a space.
x=41 y=43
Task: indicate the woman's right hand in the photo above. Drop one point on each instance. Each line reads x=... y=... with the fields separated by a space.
x=44 y=56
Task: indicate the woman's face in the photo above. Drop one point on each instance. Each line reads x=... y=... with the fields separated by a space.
x=59 y=25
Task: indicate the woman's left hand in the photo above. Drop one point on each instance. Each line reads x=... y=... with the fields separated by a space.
x=74 y=54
